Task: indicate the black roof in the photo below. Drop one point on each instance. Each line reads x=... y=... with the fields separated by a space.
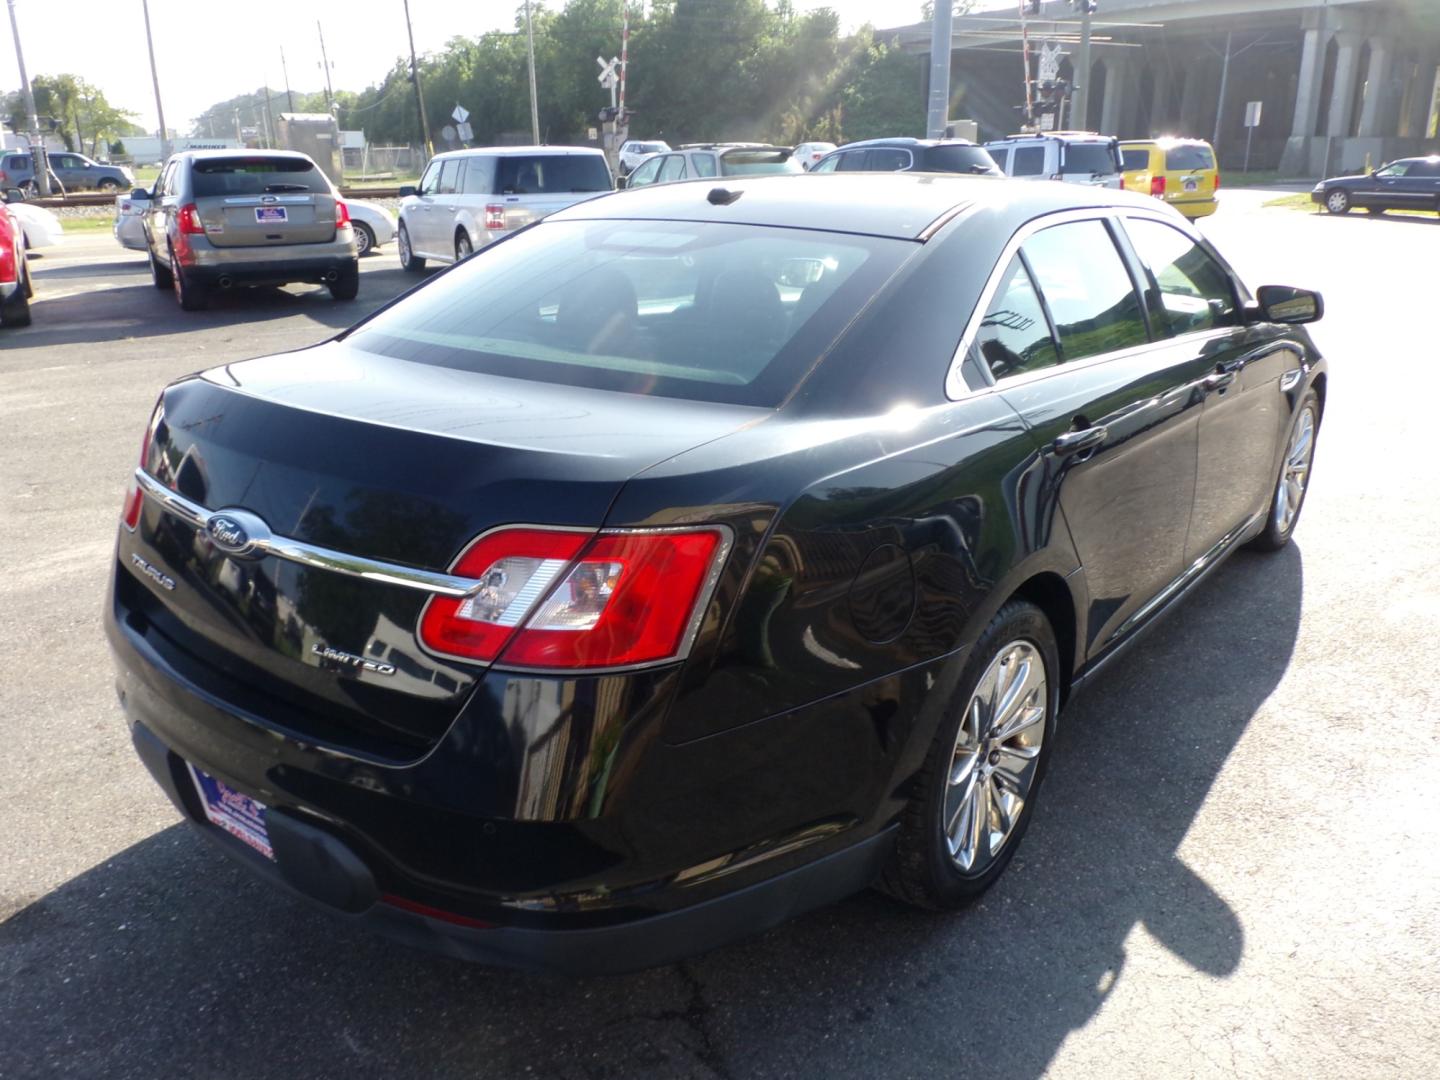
x=905 y=140
x=901 y=205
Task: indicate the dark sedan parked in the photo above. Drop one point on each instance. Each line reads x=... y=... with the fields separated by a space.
x=910 y=155
x=694 y=558
x=1407 y=184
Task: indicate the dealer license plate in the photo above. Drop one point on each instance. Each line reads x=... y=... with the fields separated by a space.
x=239 y=815
x=1192 y=183
x=271 y=215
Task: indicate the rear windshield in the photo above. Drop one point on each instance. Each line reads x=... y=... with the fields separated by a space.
x=697 y=310
x=552 y=174
x=1189 y=157
x=755 y=162
x=1088 y=158
x=256 y=176
x=1135 y=160
x=648 y=148
x=961 y=159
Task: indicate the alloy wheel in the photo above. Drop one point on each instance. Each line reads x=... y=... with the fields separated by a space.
x=402 y=241
x=996 y=753
x=1295 y=472
x=363 y=243
x=463 y=247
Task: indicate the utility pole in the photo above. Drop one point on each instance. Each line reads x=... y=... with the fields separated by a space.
x=325 y=63
x=42 y=162
x=534 y=104
x=1224 y=80
x=285 y=71
x=939 y=113
x=239 y=136
x=155 y=79
x=1080 y=102
x=419 y=94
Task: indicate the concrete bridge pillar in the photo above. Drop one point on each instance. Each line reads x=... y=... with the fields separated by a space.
x=1422 y=95
x=1343 y=95
x=1119 y=71
x=1307 y=89
x=1378 y=116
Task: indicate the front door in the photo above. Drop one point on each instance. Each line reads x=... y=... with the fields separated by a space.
x=1114 y=414
x=1194 y=299
x=420 y=215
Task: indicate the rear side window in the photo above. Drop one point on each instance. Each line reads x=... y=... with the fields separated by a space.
x=1135 y=160
x=699 y=310
x=673 y=169
x=1087 y=288
x=256 y=176
x=757 y=162
x=705 y=164
x=1425 y=167
x=1014 y=335
x=1029 y=161
x=552 y=174
x=1001 y=156
x=1194 y=290
x=888 y=159
x=961 y=159
x=1089 y=158
x=479 y=178
x=1187 y=158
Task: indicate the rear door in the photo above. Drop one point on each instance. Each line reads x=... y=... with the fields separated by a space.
x=532 y=186
x=161 y=208
x=1028 y=161
x=1419 y=188
x=70 y=169
x=1094 y=162
x=1190 y=175
x=1115 y=415
x=262 y=200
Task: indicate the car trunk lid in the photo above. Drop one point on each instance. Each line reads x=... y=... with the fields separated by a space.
x=260 y=201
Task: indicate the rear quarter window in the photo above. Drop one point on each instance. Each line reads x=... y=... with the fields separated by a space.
x=1187 y=158
x=961 y=159
x=1094 y=158
x=551 y=174
x=256 y=176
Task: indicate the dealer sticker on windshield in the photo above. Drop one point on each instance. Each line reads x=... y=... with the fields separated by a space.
x=271 y=215
x=239 y=815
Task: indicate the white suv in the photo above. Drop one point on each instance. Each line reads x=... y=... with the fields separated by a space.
x=703 y=160
x=468 y=199
x=1078 y=157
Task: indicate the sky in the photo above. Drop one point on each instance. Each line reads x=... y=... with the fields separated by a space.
x=210 y=50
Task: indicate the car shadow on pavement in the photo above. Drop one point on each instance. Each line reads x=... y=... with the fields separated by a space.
x=167 y=958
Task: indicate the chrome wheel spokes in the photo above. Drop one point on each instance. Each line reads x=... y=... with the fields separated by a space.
x=1295 y=471
x=996 y=751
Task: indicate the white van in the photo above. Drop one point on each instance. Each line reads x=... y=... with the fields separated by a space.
x=1077 y=157
x=468 y=199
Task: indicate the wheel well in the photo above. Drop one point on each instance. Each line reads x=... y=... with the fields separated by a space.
x=1319 y=385
x=1051 y=595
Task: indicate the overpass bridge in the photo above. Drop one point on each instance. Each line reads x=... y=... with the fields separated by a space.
x=1339 y=80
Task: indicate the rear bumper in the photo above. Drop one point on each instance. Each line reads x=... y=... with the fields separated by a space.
x=1196 y=208
x=280 y=271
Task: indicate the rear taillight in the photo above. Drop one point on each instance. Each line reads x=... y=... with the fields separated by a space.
x=342 y=214
x=189 y=220
x=1217 y=182
x=552 y=599
x=1157 y=186
x=134 y=497
x=495 y=216
x=4 y=177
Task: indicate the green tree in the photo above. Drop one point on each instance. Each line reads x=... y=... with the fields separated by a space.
x=82 y=114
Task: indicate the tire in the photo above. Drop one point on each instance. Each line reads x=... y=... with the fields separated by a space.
x=1375 y=211
x=409 y=261
x=160 y=275
x=463 y=247
x=1337 y=201
x=108 y=186
x=30 y=189
x=364 y=239
x=347 y=285
x=190 y=295
x=1281 y=518
x=15 y=311
x=925 y=868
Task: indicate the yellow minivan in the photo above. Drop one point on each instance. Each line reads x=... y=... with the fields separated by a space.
x=1183 y=172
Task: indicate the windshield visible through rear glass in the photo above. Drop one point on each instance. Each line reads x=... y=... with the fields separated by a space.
x=706 y=311
x=1182 y=158
x=756 y=162
x=1088 y=158
x=257 y=176
x=552 y=174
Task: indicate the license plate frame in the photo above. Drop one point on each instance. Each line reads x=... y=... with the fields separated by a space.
x=271 y=215
x=233 y=812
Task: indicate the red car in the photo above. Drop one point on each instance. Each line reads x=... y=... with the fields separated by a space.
x=15 y=286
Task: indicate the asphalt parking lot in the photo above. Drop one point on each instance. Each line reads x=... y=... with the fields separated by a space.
x=1234 y=868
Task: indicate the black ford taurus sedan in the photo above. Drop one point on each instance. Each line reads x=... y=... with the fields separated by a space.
x=1407 y=184
x=697 y=556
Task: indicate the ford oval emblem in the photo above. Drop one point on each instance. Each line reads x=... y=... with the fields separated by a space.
x=238 y=533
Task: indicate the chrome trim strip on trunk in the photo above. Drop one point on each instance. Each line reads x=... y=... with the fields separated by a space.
x=298 y=551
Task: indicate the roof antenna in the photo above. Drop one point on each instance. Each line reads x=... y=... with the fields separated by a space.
x=722 y=196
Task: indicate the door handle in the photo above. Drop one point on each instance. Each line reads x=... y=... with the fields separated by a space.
x=1075 y=442
x=1218 y=381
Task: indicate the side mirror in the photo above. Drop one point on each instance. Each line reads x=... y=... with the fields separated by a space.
x=139 y=194
x=1282 y=304
x=407 y=190
x=621 y=183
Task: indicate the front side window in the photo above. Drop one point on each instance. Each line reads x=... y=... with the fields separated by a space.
x=1399 y=168
x=645 y=173
x=431 y=180
x=698 y=310
x=828 y=164
x=1088 y=289
x=1194 y=290
x=1029 y=161
x=673 y=169
x=450 y=177
x=256 y=176
x=1014 y=335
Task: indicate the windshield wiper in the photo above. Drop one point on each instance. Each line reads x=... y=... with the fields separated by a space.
x=287 y=187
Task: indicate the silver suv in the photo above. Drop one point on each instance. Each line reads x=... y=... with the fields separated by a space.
x=1077 y=157
x=222 y=218
x=468 y=199
x=703 y=160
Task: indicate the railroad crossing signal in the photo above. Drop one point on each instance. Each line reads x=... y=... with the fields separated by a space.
x=609 y=76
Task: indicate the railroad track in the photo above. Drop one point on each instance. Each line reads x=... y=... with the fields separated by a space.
x=97 y=198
